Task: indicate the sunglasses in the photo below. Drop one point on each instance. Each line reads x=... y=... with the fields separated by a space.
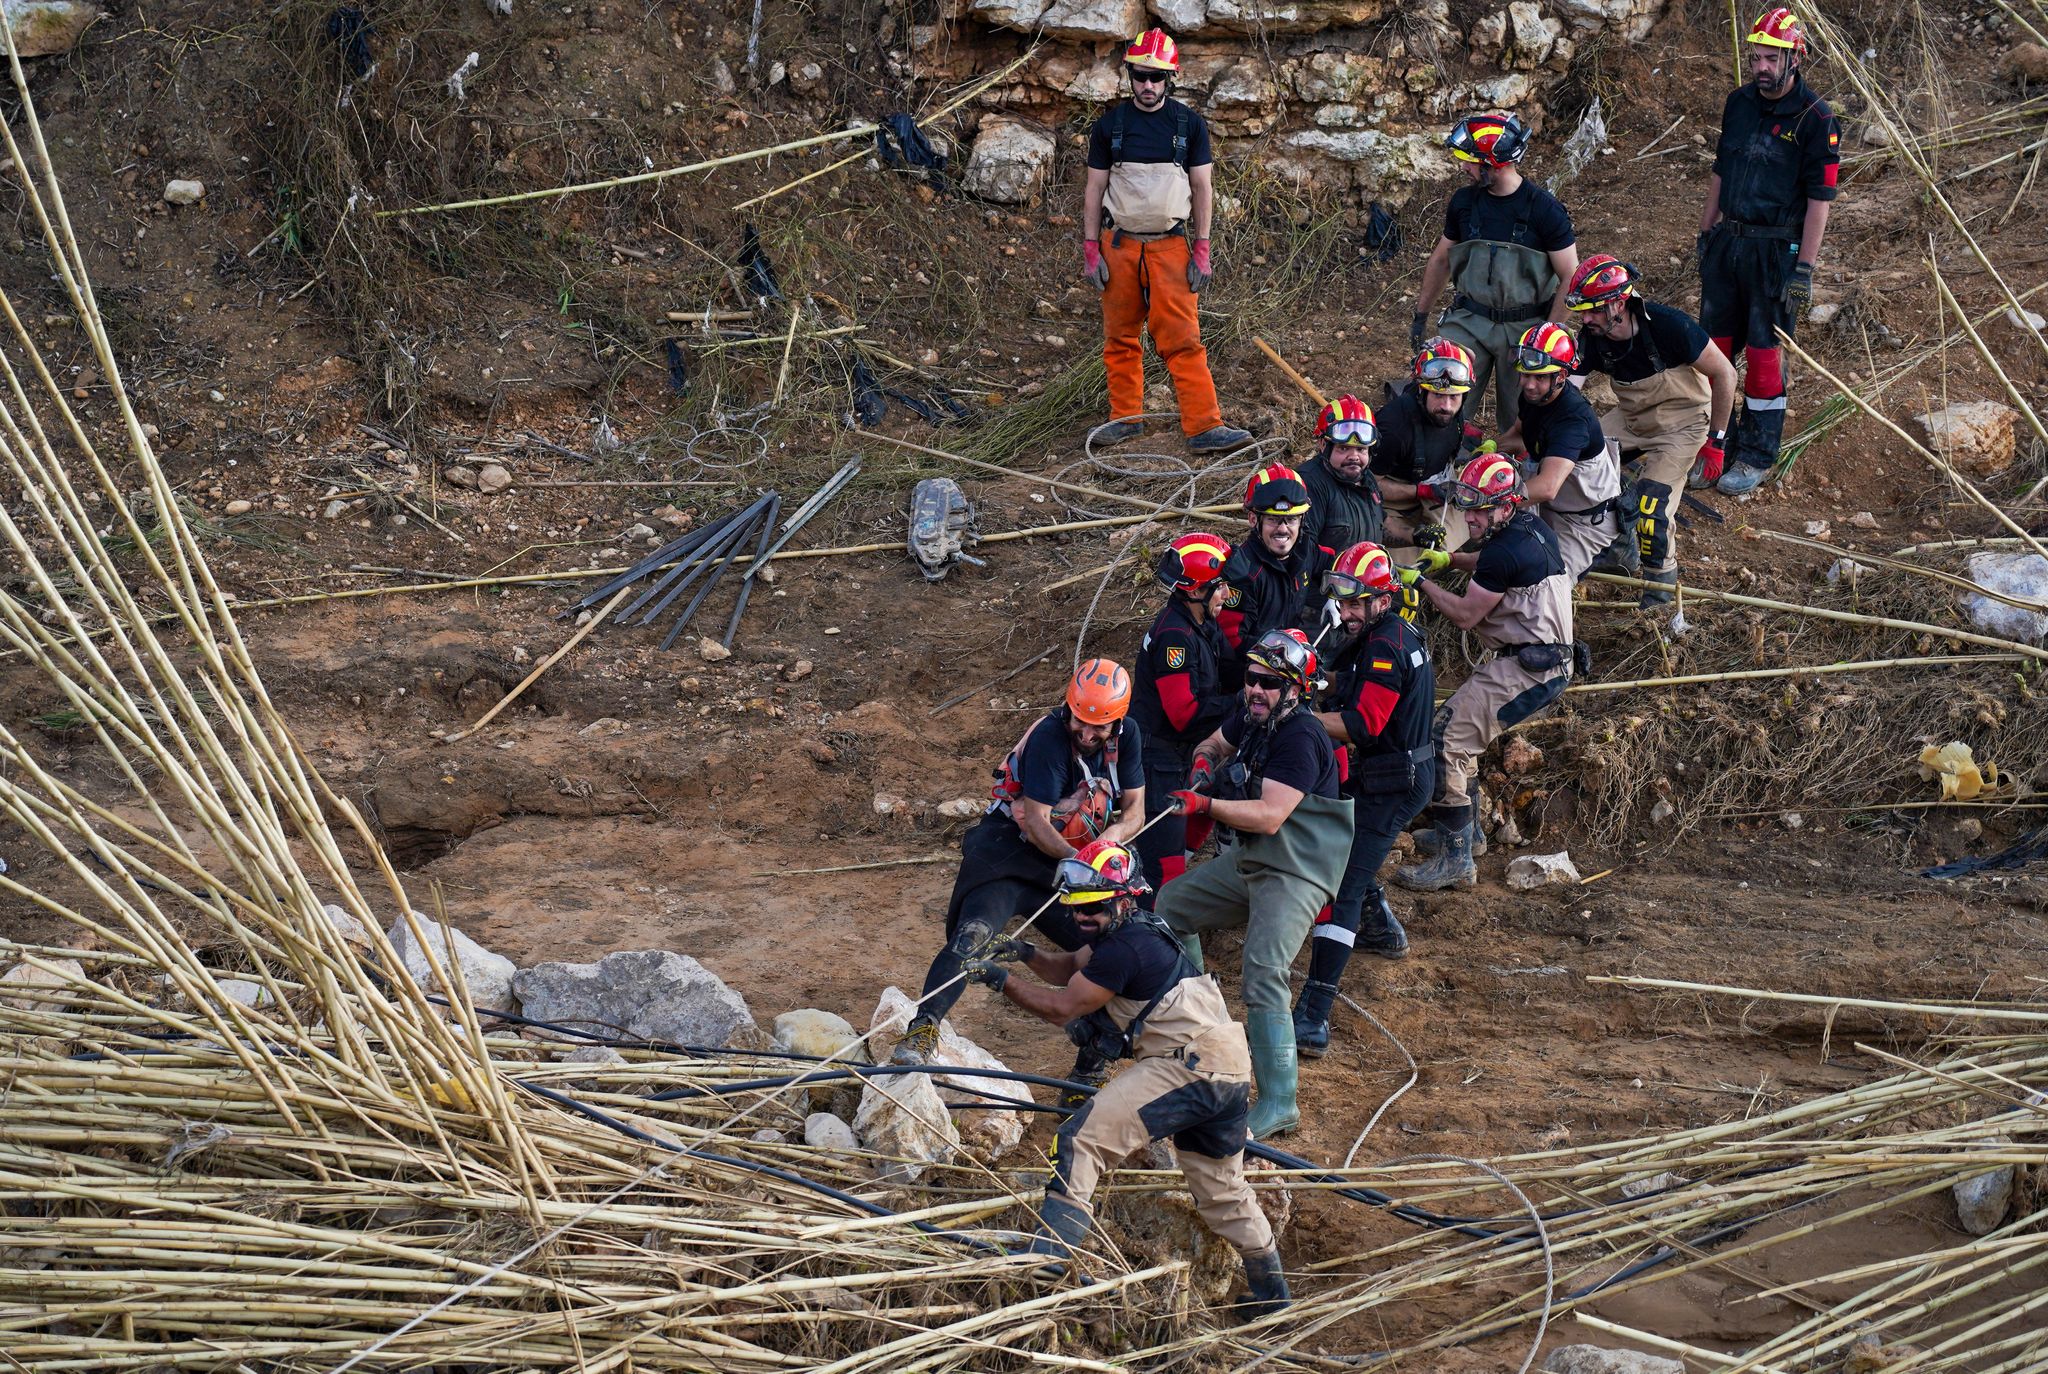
x=1146 y=76
x=1265 y=682
x=1354 y=433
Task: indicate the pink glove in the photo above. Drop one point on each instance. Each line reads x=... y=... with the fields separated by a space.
x=1093 y=268
x=1199 y=269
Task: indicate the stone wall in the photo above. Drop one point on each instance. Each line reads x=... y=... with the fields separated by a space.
x=1351 y=95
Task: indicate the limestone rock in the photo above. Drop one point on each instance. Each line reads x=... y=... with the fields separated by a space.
x=1593 y=1359
x=645 y=994
x=904 y=1119
x=961 y=808
x=598 y=1056
x=1391 y=166
x=488 y=975
x=818 y=1033
x=42 y=27
x=1982 y=1199
x=1489 y=34
x=824 y=1131
x=493 y=478
x=1008 y=161
x=2023 y=64
x=1009 y=14
x=1119 y=20
x=460 y=476
x=2020 y=575
x=807 y=78
x=1530 y=36
x=26 y=977
x=1323 y=77
x=1527 y=872
x=993 y=1131
x=184 y=192
x=347 y=924
x=2025 y=320
x=1180 y=16
x=243 y=991
x=1629 y=19
x=711 y=651
x=1245 y=84
x=1976 y=436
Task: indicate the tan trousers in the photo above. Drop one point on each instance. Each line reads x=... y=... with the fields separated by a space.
x=1662 y=470
x=1159 y=1097
x=1500 y=693
x=1580 y=540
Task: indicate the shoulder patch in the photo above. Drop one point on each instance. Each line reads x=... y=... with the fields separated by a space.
x=1234 y=597
x=1383 y=665
x=1176 y=657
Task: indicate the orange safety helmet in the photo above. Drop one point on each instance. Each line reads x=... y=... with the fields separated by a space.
x=1192 y=562
x=1445 y=367
x=1360 y=571
x=1100 y=693
x=1347 y=421
x=1276 y=489
x=1600 y=279
x=1288 y=653
x=1487 y=481
x=1493 y=139
x=1779 y=28
x=1546 y=348
x=1154 y=50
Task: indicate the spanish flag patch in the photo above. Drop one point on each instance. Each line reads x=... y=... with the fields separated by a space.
x=1383 y=665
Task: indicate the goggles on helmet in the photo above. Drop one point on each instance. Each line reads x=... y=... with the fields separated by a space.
x=1345 y=587
x=1465 y=496
x=1081 y=885
x=1354 y=433
x=1444 y=370
x=1536 y=360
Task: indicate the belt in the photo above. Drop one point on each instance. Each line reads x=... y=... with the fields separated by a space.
x=1785 y=232
x=1178 y=231
x=1591 y=513
x=1421 y=753
x=1506 y=314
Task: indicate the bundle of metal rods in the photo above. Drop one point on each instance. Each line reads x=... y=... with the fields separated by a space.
x=701 y=557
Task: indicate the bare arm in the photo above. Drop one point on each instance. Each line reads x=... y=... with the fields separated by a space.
x=1564 y=262
x=1057 y=967
x=1711 y=214
x=1435 y=273
x=1091 y=202
x=1810 y=233
x=1511 y=441
x=1057 y=1005
x=1713 y=364
x=1549 y=479
x=1034 y=818
x=1263 y=815
x=1463 y=609
x=1333 y=724
x=1202 y=194
x=1130 y=817
x=1216 y=749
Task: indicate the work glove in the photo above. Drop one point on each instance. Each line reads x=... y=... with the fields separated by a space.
x=987 y=973
x=1430 y=535
x=1094 y=267
x=1191 y=804
x=1490 y=446
x=1202 y=774
x=1706 y=469
x=1430 y=562
x=1407 y=577
x=1799 y=291
x=1333 y=618
x=1199 y=270
x=1015 y=950
x=1418 y=331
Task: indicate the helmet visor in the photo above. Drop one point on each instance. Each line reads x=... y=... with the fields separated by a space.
x=1354 y=433
x=1535 y=360
x=1465 y=496
x=1348 y=586
x=1443 y=373
x=1081 y=885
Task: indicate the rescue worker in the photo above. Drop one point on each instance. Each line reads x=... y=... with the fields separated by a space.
x=1145 y=245
x=1577 y=476
x=1518 y=605
x=1179 y=699
x=1130 y=991
x=1273 y=573
x=1421 y=431
x=1077 y=774
x=1270 y=774
x=1767 y=207
x=1344 y=501
x=1674 y=391
x=1507 y=249
x=1380 y=706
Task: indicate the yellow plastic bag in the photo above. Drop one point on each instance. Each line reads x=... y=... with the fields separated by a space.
x=1962 y=777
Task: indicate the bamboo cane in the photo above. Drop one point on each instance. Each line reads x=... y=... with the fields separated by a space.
x=1806 y=670
x=1304 y=383
x=550 y=661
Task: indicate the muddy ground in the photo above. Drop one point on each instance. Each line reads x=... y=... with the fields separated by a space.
x=636 y=798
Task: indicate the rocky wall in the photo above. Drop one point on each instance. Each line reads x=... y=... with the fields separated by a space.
x=1350 y=95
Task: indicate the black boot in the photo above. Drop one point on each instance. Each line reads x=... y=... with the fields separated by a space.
x=1267 y=1284
x=1312 y=1017
x=1066 y=1226
x=1380 y=932
x=1090 y=1069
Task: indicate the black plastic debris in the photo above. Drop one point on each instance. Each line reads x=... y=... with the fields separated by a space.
x=759 y=272
x=900 y=143
x=352 y=31
x=869 y=405
x=678 y=368
x=1382 y=236
x=2029 y=847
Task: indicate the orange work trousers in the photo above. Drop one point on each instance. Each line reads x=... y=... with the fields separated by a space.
x=1148 y=285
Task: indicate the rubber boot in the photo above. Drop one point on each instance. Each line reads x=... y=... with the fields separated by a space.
x=1749 y=455
x=1430 y=843
x=1277 y=1072
x=1089 y=1069
x=1381 y=933
x=1312 y=1018
x=1219 y=439
x=1065 y=1226
x=1452 y=866
x=1267 y=1284
x=920 y=1040
x=1653 y=597
x=1117 y=432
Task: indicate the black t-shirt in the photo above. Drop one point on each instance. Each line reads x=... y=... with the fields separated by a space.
x=1134 y=961
x=1049 y=773
x=1410 y=448
x=1149 y=137
x=1297 y=753
x=1665 y=338
x=1531 y=217
x=1565 y=428
x=1775 y=155
x=1521 y=555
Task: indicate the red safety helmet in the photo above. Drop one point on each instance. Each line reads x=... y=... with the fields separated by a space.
x=1779 y=28
x=1444 y=366
x=1492 y=139
x=1154 y=50
x=1288 y=653
x=1487 y=481
x=1546 y=348
x=1348 y=421
x=1192 y=562
x=1276 y=489
x=1600 y=280
x=1100 y=693
x=1101 y=871
x=1360 y=571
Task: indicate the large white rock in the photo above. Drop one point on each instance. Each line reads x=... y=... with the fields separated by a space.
x=2020 y=575
x=903 y=1118
x=1342 y=77
x=24 y=977
x=642 y=994
x=1010 y=14
x=1391 y=165
x=993 y=1131
x=1530 y=35
x=347 y=924
x=818 y=1033
x=1591 y=1359
x=1982 y=1199
x=488 y=975
x=1629 y=19
x=1526 y=872
x=1244 y=83
x=1120 y=20
x=1976 y=436
x=1008 y=161
x=1180 y=16
x=42 y=27
x=824 y=1131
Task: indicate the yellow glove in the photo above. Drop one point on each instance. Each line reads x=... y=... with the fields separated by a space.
x=1407 y=577
x=1431 y=561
